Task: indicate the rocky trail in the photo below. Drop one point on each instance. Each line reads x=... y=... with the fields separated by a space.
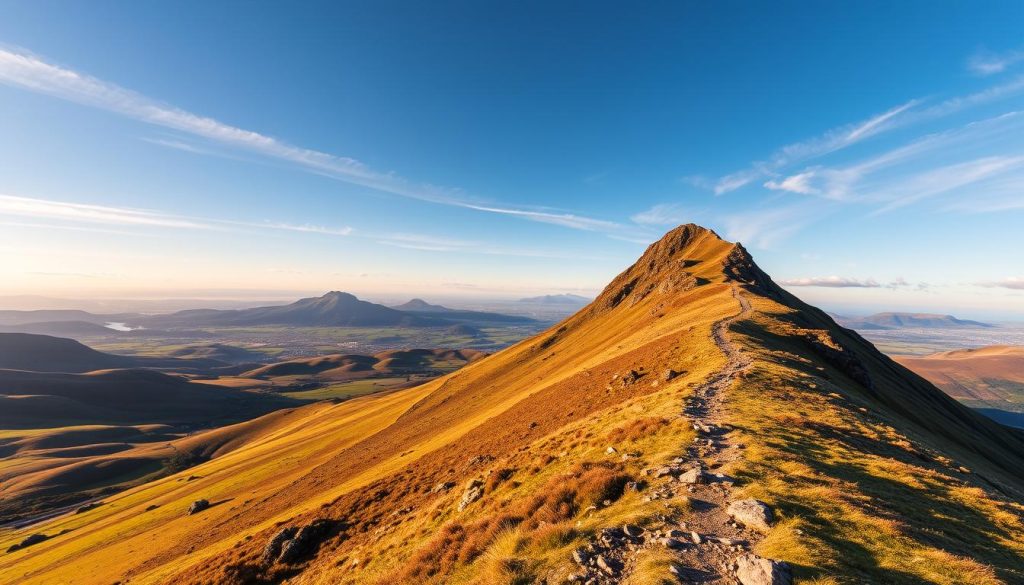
x=712 y=544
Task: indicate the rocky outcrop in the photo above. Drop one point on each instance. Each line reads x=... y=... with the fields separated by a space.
x=474 y=491
x=198 y=506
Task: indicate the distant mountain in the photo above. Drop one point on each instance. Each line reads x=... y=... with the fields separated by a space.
x=43 y=353
x=562 y=299
x=425 y=309
x=907 y=320
x=334 y=309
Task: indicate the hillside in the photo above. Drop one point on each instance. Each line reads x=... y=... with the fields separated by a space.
x=612 y=448
x=334 y=309
x=425 y=309
x=989 y=378
x=134 y=396
x=43 y=353
x=908 y=320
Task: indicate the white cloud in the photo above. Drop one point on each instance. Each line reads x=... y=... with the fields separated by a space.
x=798 y=183
x=25 y=71
x=831 y=282
x=662 y=214
x=988 y=63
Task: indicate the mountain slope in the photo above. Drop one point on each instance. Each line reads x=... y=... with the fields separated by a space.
x=500 y=471
x=334 y=309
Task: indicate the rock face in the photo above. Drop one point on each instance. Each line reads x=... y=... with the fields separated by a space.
x=754 y=570
x=198 y=506
x=474 y=491
x=752 y=513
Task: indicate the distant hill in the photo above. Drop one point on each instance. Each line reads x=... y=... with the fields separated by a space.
x=907 y=320
x=987 y=376
x=61 y=328
x=131 y=396
x=425 y=309
x=219 y=351
x=562 y=299
x=334 y=309
x=61 y=315
x=396 y=361
x=43 y=353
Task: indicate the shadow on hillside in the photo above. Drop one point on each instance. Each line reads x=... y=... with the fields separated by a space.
x=925 y=511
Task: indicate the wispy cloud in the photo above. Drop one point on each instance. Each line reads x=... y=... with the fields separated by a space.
x=846 y=282
x=431 y=243
x=79 y=213
x=563 y=219
x=1013 y=282
x=831 y=282
x=831 y=141
x=26 y=71
x=662 y=214
x=913 y=111
x=764 y=228
x=933 y=165
x=989 y=63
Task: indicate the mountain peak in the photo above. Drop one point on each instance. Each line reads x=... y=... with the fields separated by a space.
x=683 y=258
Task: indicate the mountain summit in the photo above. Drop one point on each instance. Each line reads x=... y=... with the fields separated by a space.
x=694 y=423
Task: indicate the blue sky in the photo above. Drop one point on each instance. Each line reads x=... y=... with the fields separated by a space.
x=870 y=156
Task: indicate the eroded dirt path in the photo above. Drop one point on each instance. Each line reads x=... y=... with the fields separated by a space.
x=712 y=539
x=705 y=541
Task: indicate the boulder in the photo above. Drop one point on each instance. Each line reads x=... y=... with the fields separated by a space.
x=669 y=375
x=32 y=539
x=198 y=506
x=752 y=514
x=474 y=491
x=692 y=476
x=754 y=570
